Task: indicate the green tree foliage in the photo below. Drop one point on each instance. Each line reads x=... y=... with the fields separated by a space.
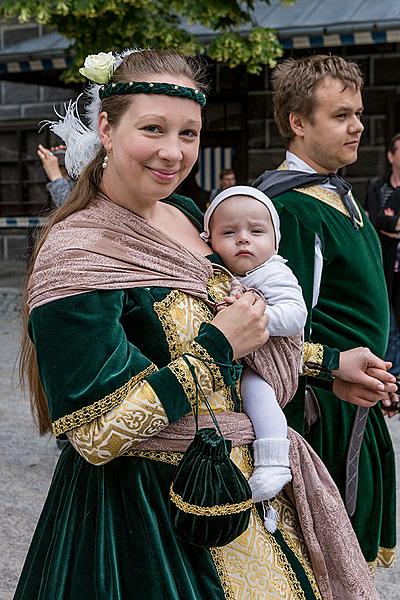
x=104 y=25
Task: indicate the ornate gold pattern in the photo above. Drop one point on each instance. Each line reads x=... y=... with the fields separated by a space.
x=182 y=372
x=332 y=199
x=218 y=286
x=290 y=528
x=208 y=511
x=218 y=558
x=92 y=411
x=139 y=416
x=385 y=559
x=171 y=458
x=181 y=316
x=313 y=356
x=215 y=371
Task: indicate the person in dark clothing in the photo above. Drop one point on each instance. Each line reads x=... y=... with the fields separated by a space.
x=383 y=207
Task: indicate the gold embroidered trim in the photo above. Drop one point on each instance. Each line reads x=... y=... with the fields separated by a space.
x=219 y=562
x=163 y=310
x=285 y=564
x=385 y=559
x=308 y=571
x=218 y=279
x=313 y=356
x=332 y=199
x=92 y=411
x=198 y=350
x=182 y=372
x=217 y=510
x=172 y=458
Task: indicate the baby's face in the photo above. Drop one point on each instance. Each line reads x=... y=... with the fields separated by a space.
x=242 y=233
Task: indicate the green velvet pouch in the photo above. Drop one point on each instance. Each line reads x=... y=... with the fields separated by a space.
x=210 y=499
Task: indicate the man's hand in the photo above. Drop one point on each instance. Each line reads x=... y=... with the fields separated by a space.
x=360 y=366
x=356 y=393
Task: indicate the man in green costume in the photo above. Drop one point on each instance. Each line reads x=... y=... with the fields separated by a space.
x=335 y=254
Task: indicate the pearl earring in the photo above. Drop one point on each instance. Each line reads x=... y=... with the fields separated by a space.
x=105 y=162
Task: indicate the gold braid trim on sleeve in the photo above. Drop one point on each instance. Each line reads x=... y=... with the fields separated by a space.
x=182 y=372
x=313 y=356
x=198 y=350
x=92 y=411
x=139 y=416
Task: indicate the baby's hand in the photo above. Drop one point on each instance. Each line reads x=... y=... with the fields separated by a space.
x=227 y=301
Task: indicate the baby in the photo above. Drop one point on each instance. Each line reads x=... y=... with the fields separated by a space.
x=243 y=227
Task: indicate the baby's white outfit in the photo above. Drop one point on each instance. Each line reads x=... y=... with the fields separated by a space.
x=287 y=316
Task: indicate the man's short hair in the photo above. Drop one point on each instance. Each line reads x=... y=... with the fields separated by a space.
x=295 y=81
x=392 y=143
x=226 y=172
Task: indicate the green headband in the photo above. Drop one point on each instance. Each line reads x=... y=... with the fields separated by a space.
x=143 y=87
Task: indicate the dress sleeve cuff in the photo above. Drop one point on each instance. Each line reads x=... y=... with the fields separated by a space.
x=319 y=361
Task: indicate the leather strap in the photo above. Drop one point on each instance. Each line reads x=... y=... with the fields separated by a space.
x=353 y=457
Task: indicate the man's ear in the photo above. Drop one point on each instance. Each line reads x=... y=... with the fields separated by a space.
x=104 y=131
x=389 y=157
x=296 y=121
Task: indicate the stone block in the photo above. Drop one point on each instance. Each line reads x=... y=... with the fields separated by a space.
x=376 y=100
x=38 y=111
x=260 y=160
x=274 y=138
x=256 y=134
x=371 y=163
x=259 y=105
x=55 y=94
x=359 y=186
x=10 y=112
x=378 y=130
x=386 y=70
x=19 y=93
x=16 y=246
x=231 y=79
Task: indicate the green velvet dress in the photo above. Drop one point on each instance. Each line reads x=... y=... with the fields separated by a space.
x=105 y=532
x=352 y=311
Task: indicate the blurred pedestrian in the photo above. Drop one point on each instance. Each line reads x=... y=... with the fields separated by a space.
x=227 y=178
x=53 y=162
x=382 y=205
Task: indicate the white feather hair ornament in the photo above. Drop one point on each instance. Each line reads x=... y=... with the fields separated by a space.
x=82 y=141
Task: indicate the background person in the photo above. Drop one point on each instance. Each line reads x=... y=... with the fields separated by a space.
x=333 y=251
x=53 y=162
x=227 y=178
x=383 y=210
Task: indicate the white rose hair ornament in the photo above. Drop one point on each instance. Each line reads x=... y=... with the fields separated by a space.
x=83 y=141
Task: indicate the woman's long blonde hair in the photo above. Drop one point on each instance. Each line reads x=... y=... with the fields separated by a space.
x=135 y=67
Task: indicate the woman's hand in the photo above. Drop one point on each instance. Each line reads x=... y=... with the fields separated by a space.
x=361 y=367
x=244 y=324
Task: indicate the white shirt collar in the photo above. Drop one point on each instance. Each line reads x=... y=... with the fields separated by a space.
x=294 y=163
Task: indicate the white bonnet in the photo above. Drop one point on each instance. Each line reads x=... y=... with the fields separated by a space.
x=242 y=190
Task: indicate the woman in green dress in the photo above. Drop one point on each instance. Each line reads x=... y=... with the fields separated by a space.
x=120 y=297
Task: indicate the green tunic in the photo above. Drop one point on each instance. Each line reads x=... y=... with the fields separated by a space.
x=352 y=310
x=105 y=531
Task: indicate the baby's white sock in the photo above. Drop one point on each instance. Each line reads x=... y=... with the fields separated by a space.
x=272 y=472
